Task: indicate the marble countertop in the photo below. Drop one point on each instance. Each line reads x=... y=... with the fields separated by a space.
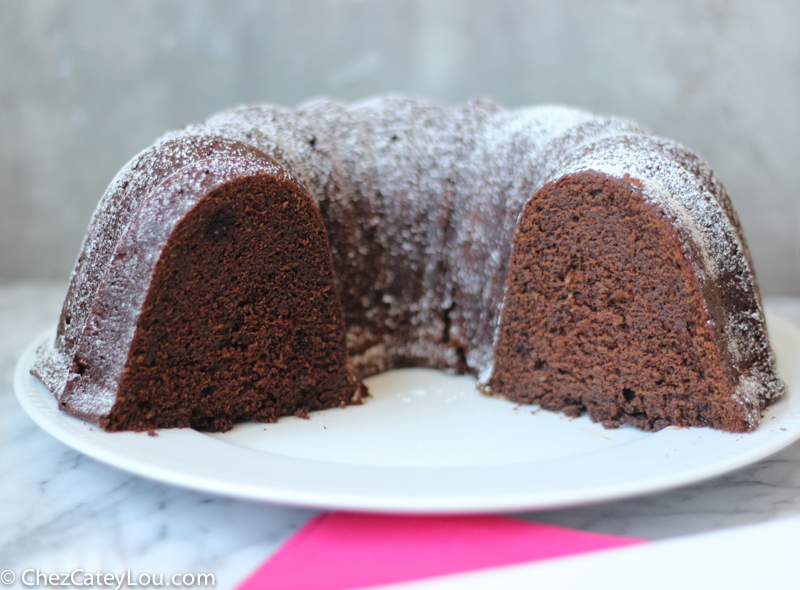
x=63 y=510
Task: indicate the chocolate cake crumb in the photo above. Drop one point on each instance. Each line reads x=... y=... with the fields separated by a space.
x=604 y=314
x=241 y=320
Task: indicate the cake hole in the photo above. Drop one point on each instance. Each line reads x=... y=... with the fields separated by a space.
x=67 y=321
x=219 y=224
x=628 y=394
x=446 y=312
x=80 y=368
x=461 y=354
x=301 y=341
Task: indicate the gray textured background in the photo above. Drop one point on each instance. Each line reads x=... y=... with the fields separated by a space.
x=85 y=85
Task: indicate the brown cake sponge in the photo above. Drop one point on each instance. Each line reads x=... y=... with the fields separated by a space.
x=605 y=314
x=240 y=321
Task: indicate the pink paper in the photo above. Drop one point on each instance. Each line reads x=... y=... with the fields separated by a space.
x=344 y=551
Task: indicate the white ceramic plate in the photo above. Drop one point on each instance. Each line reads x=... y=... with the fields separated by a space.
x=427 y=442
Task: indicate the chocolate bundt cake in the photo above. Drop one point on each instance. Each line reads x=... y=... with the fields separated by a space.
x=260 y=264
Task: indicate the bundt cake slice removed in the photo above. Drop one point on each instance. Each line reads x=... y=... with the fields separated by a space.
x=565 y=259
x=217 y=305
x=605 y=312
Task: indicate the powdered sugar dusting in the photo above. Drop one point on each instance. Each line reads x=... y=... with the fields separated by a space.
x=420 y=202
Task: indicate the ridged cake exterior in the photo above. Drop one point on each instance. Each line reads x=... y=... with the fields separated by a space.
x=422 y=206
